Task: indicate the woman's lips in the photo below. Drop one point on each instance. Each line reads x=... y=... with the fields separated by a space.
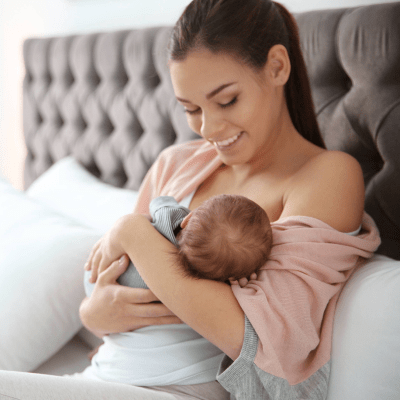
x=228 y=143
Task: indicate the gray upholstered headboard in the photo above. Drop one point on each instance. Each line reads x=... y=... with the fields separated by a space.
x=107 y=99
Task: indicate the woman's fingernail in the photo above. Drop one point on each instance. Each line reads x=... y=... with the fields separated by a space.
x=121 y=260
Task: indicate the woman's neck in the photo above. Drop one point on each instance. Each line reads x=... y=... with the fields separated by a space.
x=283 y=156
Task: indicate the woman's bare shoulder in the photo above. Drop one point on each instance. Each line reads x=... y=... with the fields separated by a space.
x=330 y=187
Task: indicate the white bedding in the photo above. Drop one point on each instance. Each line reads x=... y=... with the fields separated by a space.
x=67 y=205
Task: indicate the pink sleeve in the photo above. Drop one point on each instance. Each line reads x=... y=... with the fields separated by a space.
x=150 y=186
x=176 y=169
x=291 y=304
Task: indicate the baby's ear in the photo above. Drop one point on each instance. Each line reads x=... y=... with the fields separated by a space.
x=186 y=220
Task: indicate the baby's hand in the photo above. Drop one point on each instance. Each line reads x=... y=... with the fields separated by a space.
x=242 y=282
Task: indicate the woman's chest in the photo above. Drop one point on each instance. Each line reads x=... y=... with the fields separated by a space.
x=268 y=195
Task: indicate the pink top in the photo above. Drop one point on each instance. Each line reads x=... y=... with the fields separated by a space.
x=291 y=304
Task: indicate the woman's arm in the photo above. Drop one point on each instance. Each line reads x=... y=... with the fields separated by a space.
x=209 y=307
x=113 y=308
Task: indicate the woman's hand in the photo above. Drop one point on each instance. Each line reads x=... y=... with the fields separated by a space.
x=106 y=250
x=113 y=308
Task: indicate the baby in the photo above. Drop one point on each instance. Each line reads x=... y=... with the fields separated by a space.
x=227 y=238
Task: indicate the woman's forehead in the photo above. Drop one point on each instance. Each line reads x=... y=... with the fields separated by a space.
x=203 y=71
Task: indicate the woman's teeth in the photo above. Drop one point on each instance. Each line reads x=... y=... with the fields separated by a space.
x=229 y=141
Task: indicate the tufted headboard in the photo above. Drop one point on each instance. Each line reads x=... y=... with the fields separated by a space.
x=107 y=99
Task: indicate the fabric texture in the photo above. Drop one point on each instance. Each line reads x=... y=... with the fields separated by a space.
x=23 y=386
x=68 y=188
x=290 y=340
x=42 y=254
x=167 y=216
x=366 y=334
x=309 y=260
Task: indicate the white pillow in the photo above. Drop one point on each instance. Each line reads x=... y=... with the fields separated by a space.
x=70 y=189
x=42 y=254
x=366 y=334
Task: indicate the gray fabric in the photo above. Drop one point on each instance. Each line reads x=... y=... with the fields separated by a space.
x=353 y=57
x=249 y=382
x=107 y=99
x=167 y=216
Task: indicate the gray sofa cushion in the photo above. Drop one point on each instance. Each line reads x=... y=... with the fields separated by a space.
x=353 y=60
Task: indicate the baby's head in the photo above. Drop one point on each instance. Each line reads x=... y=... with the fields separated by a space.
x=228 y=236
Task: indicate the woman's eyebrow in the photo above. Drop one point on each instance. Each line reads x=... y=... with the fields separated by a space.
x=211 y=94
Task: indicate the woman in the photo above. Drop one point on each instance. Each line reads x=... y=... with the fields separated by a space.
x=238 y=72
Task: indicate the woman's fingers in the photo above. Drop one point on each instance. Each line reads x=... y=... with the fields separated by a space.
x=99 y=264
x=93 y=277
x=88 y=264
x=114 y=271
x=167 y=320
x=137 y=323
x=150 y=310
x=137 y=296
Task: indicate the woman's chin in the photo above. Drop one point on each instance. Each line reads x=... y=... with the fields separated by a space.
x=232 y=160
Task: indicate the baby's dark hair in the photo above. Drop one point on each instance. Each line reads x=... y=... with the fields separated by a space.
x=228 y=236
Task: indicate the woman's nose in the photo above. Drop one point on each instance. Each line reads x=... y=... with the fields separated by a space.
x=212 y=125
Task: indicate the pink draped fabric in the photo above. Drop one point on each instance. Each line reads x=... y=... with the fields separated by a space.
x=291 y=305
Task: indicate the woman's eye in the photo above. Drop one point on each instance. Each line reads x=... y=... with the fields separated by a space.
x=231 y=103
x=191 y=112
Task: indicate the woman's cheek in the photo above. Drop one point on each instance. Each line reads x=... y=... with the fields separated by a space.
x=244 y=118
x=194 y=124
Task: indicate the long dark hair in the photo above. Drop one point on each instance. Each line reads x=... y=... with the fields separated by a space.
x=247 y=29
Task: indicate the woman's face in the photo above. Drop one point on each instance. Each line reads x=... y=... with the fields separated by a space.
x=228 y=104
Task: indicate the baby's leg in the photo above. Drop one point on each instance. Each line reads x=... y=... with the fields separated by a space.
x=27 y=386
x=132 y=278
x=129 y=278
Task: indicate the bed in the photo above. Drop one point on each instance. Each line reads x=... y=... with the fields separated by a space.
x=99 y=108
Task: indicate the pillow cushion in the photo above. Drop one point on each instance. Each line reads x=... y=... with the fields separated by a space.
x=70 y=189
x=42 y=254
x=366 y=334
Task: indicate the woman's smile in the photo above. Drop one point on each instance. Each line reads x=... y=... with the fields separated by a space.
x=228 y=144
x=228 y=104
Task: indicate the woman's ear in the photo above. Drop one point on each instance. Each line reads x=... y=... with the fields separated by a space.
x=186 y=220
x=278 y=65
